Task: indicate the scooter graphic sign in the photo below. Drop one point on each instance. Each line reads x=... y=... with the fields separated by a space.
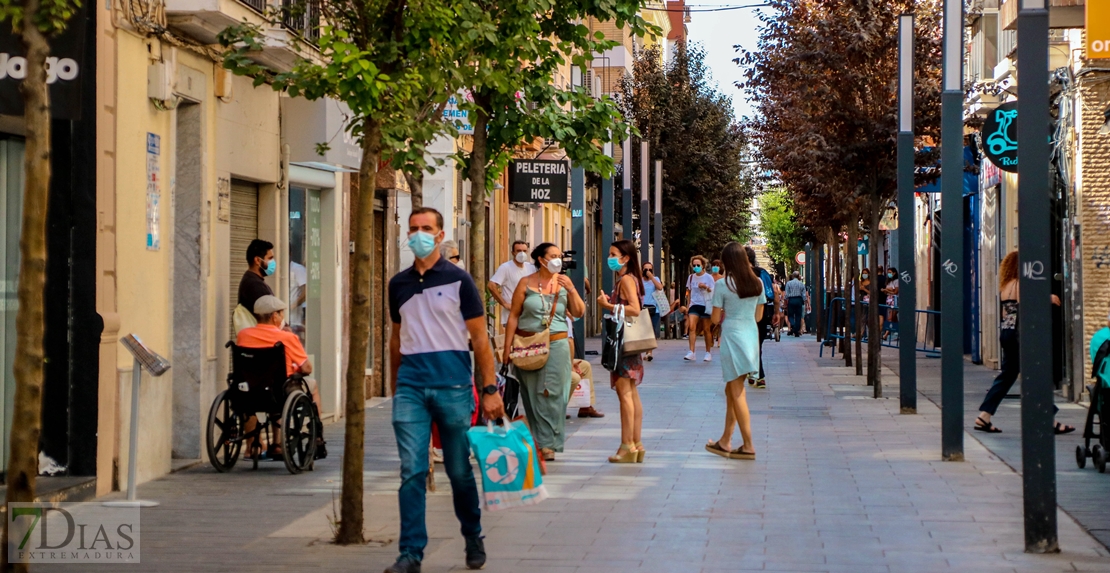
x=1000 y=136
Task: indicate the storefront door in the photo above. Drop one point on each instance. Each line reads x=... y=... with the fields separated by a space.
x=304 y=267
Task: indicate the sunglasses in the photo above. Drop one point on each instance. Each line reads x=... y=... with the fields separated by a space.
x=455 y=258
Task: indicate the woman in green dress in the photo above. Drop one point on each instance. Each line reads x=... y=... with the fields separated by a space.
x=546 y=391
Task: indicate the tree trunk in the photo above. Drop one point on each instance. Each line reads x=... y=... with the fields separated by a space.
x=875 y=340
x=23 y=466
x=477 y=176
x=350 y=520
x=416 y=189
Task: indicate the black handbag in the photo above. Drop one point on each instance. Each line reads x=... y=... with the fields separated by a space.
x=510 y=391
x=612 y=341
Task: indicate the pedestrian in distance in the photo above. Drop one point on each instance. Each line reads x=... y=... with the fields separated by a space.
x=717 y=274
x=699 y=294
x=437 y=313
x=651 y=284
x=796 y=299
x=544 y=300
x=770 y=294
x=629 y=371
x=1011 y=349
x=502 y=285
x=890 y=289
x=738 y=304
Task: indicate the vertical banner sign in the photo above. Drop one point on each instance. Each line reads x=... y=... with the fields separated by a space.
x=538 y=181
x=1098 y=29
x=153 y=190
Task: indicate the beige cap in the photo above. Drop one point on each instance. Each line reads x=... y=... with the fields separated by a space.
x=268 y=304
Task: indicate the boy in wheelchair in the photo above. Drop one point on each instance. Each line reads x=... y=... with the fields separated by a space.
x=270 y=311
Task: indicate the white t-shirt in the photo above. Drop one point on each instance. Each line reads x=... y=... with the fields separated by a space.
x=508 y=275
x=697 y=295
x=298 y=282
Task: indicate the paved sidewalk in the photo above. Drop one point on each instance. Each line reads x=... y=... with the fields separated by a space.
x=1080 y=492
x=843 y=483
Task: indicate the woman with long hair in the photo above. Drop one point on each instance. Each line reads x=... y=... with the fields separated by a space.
x=651 y=285
x=543 y=300
x=1011 y=348
x=739 y=299
x=629 y=371
x=699 y=293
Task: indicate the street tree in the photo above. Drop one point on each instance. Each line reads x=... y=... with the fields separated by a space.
x=779 y=226
x=392 y=62
x=517 y=49
x=690 y=127
x=35 y=23
x=824 y=74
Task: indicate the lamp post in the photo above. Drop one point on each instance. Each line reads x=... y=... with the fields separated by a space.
x=1038 y=444
x=645 y=207
x=626 y=186
x=658 y=238
x=607 y=220
x=952 y=236
x=907 y=289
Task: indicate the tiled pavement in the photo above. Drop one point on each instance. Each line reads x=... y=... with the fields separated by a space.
x=843 y=483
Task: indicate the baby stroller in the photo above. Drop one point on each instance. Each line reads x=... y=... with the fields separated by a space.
x=1099 y=409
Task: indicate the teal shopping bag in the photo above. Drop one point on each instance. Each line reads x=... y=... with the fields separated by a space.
x=509 y=463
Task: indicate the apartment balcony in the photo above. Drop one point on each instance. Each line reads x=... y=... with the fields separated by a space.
x=286 y=42
x=1061 y=13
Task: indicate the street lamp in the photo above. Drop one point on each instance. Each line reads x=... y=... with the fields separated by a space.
x=952 y=244
x=907 y=290
x=1038 y=442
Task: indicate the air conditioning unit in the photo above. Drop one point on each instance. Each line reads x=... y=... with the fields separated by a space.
x=589 y=83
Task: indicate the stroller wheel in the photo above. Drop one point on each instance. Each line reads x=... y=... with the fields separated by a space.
x=1080 y=457
x=1100 y=457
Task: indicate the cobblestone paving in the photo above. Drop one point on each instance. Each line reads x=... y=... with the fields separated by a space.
x=843 y=483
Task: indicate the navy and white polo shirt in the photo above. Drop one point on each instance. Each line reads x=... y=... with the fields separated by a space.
x=432 y=310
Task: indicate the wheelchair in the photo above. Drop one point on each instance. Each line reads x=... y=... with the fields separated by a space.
x=258 y=386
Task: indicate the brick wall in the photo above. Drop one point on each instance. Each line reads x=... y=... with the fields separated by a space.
x=1094 y=205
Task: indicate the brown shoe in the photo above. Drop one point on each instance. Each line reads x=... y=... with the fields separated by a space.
x=590 y=412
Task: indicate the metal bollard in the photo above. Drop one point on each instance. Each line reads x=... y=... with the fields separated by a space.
x=157 y=366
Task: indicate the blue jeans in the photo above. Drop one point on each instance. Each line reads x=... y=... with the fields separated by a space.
x=654 y=319
x=414 y=410
x=794 y=307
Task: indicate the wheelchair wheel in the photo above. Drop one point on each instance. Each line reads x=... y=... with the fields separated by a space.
x=225 y=431
x=299 y=427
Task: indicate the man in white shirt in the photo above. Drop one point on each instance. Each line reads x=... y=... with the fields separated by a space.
x=503 y=283
x=699 y=293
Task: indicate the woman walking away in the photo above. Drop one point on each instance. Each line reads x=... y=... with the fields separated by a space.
x=651 y=284
x=629 y=371
x=543 y=300
x=1011 y=349
x=739 y=299
x=699 y=293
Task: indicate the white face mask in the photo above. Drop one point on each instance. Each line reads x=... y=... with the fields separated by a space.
x=555 y=265
x=521 y=257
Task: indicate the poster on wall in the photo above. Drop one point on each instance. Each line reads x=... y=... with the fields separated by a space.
x=153 y=190
x=1000 y=138
x=63 y=69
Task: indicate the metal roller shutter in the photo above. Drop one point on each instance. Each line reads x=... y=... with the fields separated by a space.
x=244 y=229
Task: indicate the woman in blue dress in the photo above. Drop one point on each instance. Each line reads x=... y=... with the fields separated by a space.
x=738 y=301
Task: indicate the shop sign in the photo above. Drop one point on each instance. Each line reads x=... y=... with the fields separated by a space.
x=460 y=118
x=63 y=70
x=1000 y=136
x=538 y=181
x=1098 y=29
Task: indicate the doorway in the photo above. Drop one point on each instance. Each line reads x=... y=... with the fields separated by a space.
x=188 y=283
x=11 y=185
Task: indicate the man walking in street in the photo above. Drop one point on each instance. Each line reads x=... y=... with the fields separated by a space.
x=503 y=283
x=795 y=302
x=436 y=312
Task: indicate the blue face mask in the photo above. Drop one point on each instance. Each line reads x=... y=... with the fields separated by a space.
x=697 y=269
x=270 y=269
x=715 y=270
x=615 y=264
x=422 y=244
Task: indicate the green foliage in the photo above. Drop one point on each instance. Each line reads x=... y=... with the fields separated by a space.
x=690 y=127
x=518 y=48
x=50 y=18
x=778 y=226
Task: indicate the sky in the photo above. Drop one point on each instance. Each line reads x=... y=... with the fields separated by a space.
x=718 y=32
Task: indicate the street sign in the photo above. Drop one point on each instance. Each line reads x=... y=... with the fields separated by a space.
x=538 y=181
x=800 y=257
